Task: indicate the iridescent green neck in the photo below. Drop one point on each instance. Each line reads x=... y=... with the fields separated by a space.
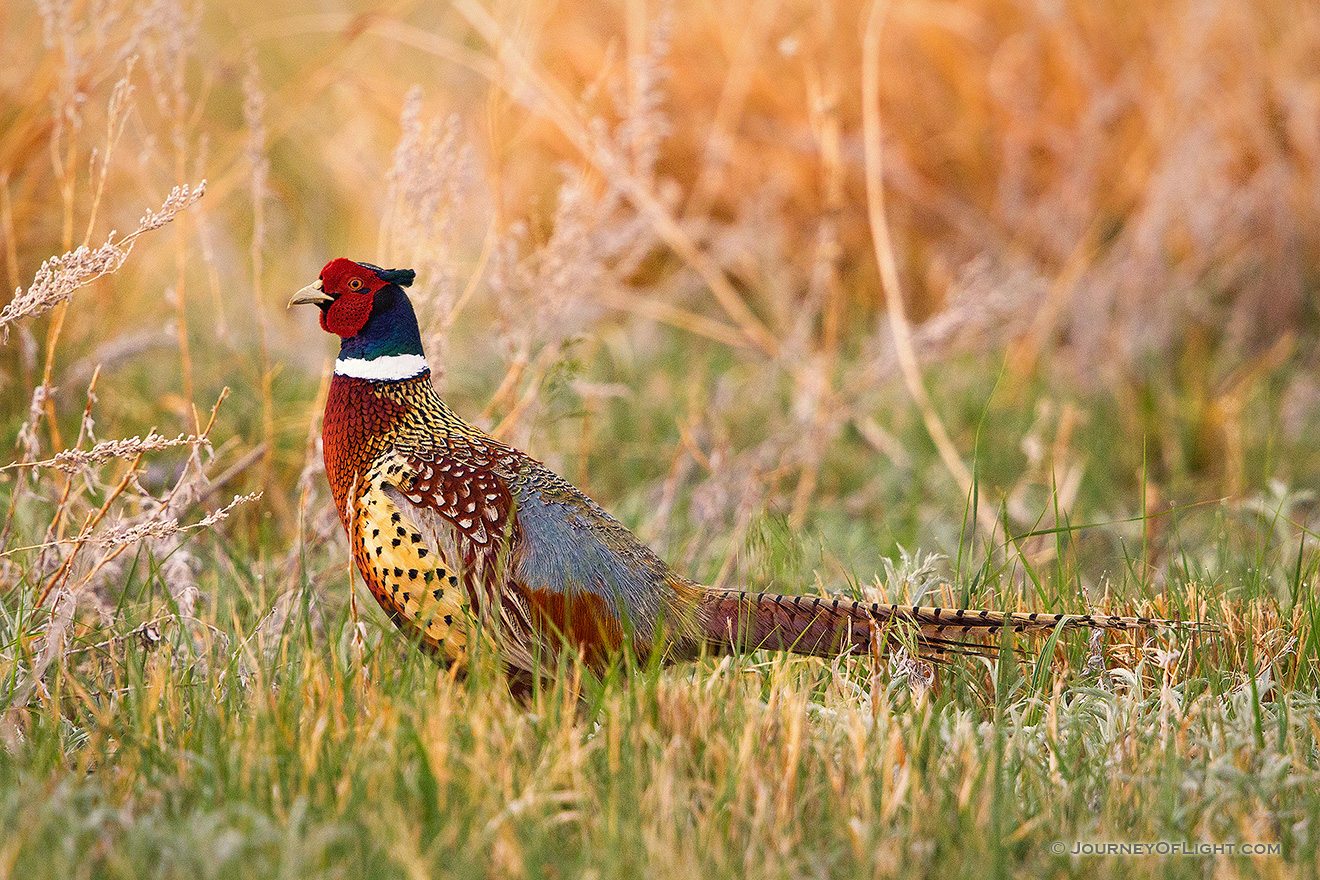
x=389 y=346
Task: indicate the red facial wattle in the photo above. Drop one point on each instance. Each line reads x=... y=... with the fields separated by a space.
x=348 y=314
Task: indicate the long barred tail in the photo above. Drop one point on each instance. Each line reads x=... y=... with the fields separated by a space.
x=736 y=620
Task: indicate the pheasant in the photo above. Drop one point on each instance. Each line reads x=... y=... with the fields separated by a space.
x=453 y=530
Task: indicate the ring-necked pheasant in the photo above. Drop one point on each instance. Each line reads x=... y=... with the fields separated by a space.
x=450 y=527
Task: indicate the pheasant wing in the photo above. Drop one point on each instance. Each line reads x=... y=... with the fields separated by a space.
x=538 y=559
x=586 y=577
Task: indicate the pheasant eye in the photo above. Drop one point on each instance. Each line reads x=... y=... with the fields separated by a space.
x=355 y=284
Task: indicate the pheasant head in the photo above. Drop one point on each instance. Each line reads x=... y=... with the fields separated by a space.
x=366 y=307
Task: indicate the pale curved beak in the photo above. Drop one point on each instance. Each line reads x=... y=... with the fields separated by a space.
x=312 y=293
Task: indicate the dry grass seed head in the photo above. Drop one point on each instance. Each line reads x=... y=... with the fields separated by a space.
x=60 y=276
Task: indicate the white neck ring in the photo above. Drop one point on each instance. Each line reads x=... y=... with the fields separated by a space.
x=388 y=368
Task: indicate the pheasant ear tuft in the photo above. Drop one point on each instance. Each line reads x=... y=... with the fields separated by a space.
x=401 y=277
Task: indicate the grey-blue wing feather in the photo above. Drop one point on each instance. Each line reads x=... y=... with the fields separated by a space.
x=569 y=544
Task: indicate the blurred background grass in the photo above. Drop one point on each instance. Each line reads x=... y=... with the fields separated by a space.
x=645 y=257
x=1123 y=201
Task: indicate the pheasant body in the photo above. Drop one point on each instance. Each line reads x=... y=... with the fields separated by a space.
x=451 y=528
x=448 y=525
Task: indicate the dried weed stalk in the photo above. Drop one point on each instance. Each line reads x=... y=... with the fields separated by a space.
x=71 y=460
x=60 y=276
